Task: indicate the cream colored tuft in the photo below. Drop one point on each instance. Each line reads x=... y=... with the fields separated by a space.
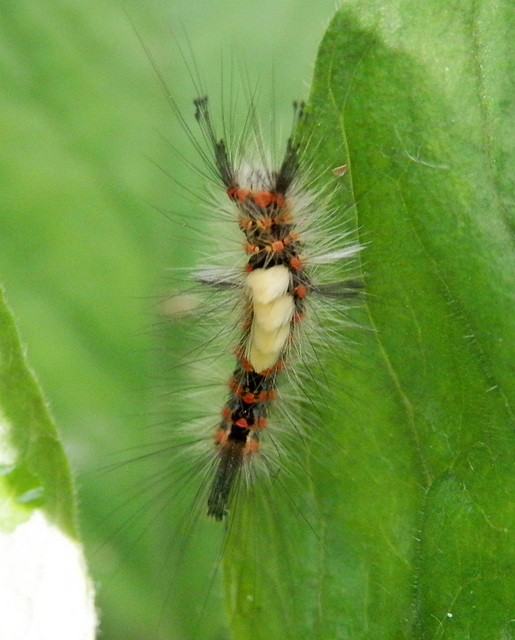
x=268 y=284
x=273 y=310
x=270 y=317
x=260 y=360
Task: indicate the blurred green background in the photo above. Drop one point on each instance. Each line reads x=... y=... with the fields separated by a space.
x=83 y=249
x=415 y=512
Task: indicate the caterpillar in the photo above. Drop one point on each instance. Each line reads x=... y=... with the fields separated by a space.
x=274 y=212
x=280 y=222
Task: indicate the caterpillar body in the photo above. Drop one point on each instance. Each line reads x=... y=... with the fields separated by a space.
x=275 y=285
x=286 y=247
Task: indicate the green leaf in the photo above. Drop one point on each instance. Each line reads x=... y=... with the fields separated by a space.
x=415 y=515
x=34 y=470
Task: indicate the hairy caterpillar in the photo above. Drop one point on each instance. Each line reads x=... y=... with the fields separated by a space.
x=275 y=212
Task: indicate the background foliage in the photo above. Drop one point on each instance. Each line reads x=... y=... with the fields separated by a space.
x=414 y=517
